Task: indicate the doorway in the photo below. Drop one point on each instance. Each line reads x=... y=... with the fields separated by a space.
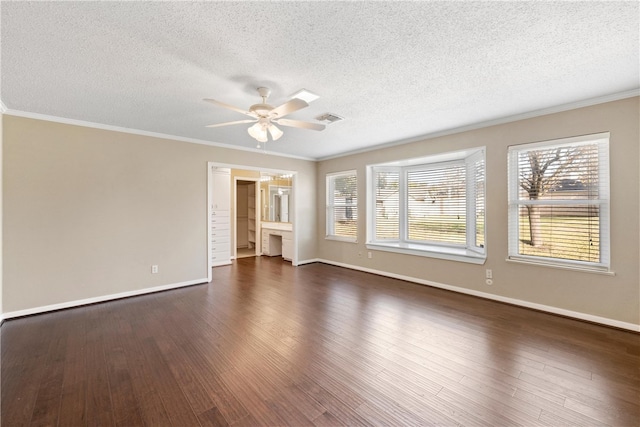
x=264 y=178
x=247 y=218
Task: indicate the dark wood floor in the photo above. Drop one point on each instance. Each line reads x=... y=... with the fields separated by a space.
x=269 y=344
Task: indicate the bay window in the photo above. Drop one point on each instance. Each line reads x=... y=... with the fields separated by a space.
x=430 y=206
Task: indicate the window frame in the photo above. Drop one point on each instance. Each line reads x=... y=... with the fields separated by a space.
x=467 y=252
x=603 y=202
x=330 y=206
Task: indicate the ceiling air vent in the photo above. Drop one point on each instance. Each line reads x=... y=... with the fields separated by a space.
x=328 y=117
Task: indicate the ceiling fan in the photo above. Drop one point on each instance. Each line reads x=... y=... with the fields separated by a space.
x=266 y=117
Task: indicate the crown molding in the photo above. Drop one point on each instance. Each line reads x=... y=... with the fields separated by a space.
x=131 y=131
x=466 y=128
x=474 y=126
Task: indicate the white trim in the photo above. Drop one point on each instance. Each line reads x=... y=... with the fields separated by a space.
x=340 y=173
x=580 y=140
x=485 y=124
x=536 y=113
x=561 y=264
x=256 y=220
x=309 y=261
x=522 y=303
x=104 y=298
x=449 y=253
x=341 y=238
x=82 y=123
x=208 y=222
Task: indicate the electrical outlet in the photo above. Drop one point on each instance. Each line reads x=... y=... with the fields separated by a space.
x=489 y=274
x=369 y=255
x=154 y=269
x=489 y=282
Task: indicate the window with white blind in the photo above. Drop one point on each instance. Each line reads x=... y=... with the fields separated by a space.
x=430 y=206
x=559 y=202
x=342 y=206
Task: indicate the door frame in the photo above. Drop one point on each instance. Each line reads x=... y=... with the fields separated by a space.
x=256 y=195
x=293 y=205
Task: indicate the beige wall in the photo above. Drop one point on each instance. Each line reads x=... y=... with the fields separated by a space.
x=611 y=297
x=88 y=211
x=1 y=200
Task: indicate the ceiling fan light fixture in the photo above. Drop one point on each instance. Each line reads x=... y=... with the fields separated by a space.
x=258 y=132
x=305 y=95
x=275 y=132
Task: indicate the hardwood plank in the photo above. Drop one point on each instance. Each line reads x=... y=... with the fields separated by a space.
x=326 y=419
x=335 y=405
x=21 y=374
x=269 y=344
x=213 y=418
x=307 y=405
x=253 y=401
x=47 y=405
x=124 y=403
x=144 y=388
x=175 y=403
x=98 y=409
x=484 y=412
x=74 y=391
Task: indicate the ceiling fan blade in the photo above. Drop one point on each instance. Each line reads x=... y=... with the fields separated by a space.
x=229 y=107
x=232 y=123
x=299 y=124
x=289 y=107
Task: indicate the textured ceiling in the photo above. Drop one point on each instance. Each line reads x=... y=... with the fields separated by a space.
x=394 y=70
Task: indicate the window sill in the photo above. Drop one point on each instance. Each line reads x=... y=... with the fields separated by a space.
x=341 y=239
x=562 y=266
x=431 y=251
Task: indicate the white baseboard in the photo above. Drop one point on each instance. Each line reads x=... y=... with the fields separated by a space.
x=513 y=301
x=308 y=261
x=77 y=303
x=522 y=303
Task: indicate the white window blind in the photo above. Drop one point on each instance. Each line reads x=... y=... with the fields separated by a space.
x=437 y=204
x=387 y=205
x=342 y=206
x=559 y=201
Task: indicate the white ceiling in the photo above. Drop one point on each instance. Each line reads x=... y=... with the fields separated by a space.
x=394 y=70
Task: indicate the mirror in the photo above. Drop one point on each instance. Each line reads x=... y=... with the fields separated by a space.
x=275 y=194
